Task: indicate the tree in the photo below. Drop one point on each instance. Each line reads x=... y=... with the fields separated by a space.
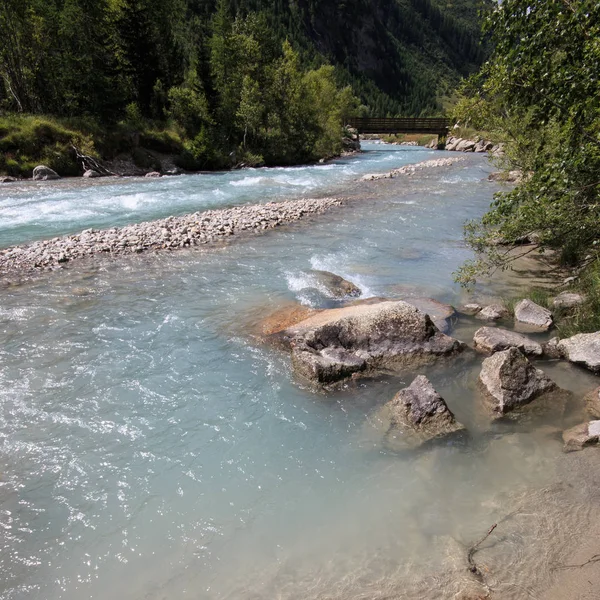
x=540 y=94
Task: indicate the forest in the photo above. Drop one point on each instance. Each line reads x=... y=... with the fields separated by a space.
x=221 y=82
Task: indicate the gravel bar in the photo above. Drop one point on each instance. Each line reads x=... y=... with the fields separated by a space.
x=170 y=233
x=411 y=169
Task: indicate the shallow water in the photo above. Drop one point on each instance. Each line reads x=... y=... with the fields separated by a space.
x=151 y=447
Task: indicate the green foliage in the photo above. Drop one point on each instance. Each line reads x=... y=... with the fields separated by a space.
x=257 y=80
x=540 y=93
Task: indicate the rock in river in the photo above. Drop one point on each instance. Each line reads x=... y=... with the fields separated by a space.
x=43 y=173
x=493 y=312
x=495 y=339
x=533 y=315
x=509 y=380
x=580 y=436
x=368 y=338
x=336 y=286
x=421 y=409
x=582 y=349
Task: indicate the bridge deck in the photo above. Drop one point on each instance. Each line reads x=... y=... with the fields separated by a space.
x=439 y=126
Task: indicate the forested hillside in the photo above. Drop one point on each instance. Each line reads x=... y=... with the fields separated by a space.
x=266 y=79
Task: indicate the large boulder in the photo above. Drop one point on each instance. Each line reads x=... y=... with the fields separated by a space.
x=43 y=173
x=533 y=315
x=495 y=339
x=334 y=285
x=422 y=411
x=592 y=403
x=335 y=344
x=582 y=349
x=580 y=436
x=510 y=381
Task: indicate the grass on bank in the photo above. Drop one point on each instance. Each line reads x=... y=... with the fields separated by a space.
x=571 y=321
x=30 y=140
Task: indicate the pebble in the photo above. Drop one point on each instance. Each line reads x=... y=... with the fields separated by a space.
x=164 y=234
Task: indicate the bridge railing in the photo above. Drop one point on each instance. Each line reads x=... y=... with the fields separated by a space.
x=434 y=125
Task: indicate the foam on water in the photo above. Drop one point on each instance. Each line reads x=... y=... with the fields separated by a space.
x=32 y=210
x=151 y=447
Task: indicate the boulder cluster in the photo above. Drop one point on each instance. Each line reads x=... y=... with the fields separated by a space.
x=366 y=338
x=457 y=144
x=165 y=234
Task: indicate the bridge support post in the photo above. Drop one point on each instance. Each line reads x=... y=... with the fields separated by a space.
x=441 y=144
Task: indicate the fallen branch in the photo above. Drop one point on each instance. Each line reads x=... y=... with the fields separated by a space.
x=89 y=163
x=594 y=559
x=473 y=549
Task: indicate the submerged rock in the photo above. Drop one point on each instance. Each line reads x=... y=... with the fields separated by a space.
x=592 y=403
x=367 y=338
x=580 y=436
x=336 y=286
x=495 y=339
x=43 y=173
x=493 y=312
x=568 y=300
x=533 y=315
x=582 y=349
x=421 y=409
x=509 y=380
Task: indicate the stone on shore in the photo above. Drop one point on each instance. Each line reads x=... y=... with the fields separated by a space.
x=506 y=176
x=533 y=315
x=153 y=174
x=592 y=403
x=567 y=300
x=43 y=173
x=493 y=312
x=582 y=349
x=336 y=286
x=7 y=179
x=495 y=339
x=90 y=174
x=422 y=410
x=365 y=339
x=580 y=436
x=510 y=381
x=465 y=146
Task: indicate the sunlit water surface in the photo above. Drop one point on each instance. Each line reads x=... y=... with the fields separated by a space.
x=151 y=447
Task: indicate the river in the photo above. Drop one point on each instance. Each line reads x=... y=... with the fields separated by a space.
x=151 y=448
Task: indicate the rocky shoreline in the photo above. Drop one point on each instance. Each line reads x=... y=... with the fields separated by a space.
x=170 y=233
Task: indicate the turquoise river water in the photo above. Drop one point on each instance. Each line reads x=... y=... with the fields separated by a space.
x=151 y=447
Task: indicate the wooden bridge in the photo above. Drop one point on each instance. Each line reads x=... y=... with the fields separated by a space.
x=436 y=126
